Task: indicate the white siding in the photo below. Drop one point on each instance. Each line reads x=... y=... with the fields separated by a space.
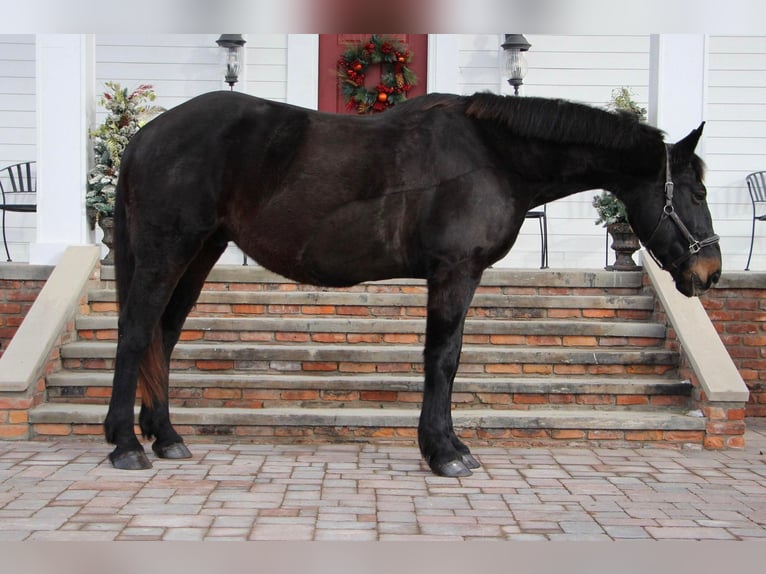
x=266 y=66
x=735 y=142
x=18 y=127
x=178 y=66
x=580 y=68
x=181 y=66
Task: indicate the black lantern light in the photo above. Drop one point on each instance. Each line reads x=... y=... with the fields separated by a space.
x=515 y=63
x=232 y=43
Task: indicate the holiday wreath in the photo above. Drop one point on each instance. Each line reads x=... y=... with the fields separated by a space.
x=396 y=78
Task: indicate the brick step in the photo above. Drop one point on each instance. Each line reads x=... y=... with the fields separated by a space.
x=254 y=277
x=347 y=303
x=336 y=330
x=492 y=359
x=385 y=391
x=488 y=426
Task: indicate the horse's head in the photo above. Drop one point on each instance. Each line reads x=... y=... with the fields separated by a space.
x=673 y=221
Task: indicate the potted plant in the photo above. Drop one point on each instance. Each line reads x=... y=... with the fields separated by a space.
x=127 y=113
x=611 y=211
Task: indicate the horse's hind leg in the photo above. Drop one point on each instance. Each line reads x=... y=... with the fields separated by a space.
x=149 y=291
x=448 y=299
x=154 y=419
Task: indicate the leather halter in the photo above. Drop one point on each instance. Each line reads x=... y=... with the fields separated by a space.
x=669 y=212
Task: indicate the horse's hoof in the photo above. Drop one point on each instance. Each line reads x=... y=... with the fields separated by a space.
x=470 y=461
x=130 y=460
x=453 y=469
x=175 y=451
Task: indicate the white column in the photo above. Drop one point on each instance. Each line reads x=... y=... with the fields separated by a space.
x=303 y=70
x=443 y=63
x=677 y=82
x=65 y=107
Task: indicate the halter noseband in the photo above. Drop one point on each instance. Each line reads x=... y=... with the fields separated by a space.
x=669 y=212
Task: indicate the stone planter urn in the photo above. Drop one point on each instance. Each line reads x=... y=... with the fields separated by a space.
x=625 y=244
x=107 y=226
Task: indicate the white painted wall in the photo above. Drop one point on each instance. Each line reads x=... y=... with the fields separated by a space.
x=583 y=68
x=18 y=127
x=580 y=68
x=181 y=66
x=735 y=142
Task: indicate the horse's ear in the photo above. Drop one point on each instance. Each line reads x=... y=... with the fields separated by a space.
x=683 y=150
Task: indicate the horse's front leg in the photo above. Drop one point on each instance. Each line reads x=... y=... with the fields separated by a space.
x=448 y=301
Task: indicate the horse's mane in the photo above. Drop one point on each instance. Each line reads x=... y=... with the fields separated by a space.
x=562 y=121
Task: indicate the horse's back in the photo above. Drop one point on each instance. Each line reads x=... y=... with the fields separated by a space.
x=317 y=197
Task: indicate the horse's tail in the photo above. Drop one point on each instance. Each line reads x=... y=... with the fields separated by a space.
x=152 y=373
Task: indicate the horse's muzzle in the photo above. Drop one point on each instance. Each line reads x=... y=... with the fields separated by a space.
x=699 y=276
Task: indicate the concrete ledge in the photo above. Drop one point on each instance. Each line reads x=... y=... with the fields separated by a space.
x=707 y=354
x=25 y=272
x=742 y=280
x=553 y=385
x=333 y=324
x=492 y=277
x=24 y=360
x=320 y=417
x=239 y=351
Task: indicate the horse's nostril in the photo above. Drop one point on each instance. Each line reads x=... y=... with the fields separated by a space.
x=714 y=278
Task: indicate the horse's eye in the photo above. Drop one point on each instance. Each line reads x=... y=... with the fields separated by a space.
x=699 y=194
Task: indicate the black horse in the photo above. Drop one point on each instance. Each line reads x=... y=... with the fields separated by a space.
x=436 y=188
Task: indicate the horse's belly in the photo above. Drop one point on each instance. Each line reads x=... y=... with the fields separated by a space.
x=362 y=240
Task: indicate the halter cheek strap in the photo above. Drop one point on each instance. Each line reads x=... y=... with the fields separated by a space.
x=669 y=212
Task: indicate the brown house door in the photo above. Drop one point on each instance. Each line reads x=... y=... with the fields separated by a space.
x=331 y=46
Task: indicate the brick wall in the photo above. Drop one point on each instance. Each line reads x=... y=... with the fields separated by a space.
x=19 y=287
x=737 y=308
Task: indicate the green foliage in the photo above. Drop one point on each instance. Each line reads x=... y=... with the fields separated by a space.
x=128 y=112
x=622 y=100
x=609 y=208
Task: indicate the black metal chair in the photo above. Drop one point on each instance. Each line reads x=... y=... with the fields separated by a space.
x=756 y=185
x=18 y=187
x=542 y=218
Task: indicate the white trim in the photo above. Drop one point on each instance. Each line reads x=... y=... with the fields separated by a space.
x=303 y=70
x=443 y=73
x=677 y=83
x=65 y=111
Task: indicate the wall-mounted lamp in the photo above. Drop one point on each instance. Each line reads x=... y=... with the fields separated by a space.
x=233 y=44
x=515 y=62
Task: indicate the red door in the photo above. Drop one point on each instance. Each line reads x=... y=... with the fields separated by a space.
x=331 y=46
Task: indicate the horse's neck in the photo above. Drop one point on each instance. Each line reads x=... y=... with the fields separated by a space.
x=582 y=168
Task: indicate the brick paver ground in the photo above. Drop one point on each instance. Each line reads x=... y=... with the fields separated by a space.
x=66 y=490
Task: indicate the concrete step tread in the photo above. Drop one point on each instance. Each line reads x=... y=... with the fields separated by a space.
x=560 y=384
x=491 y=277
x=348 y=298
x=485 y=418
x=333 y=324
x=238 y=351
